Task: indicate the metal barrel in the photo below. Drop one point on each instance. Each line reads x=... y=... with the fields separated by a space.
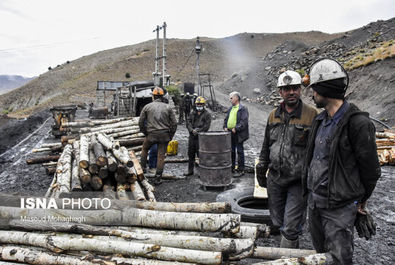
x=215 y=161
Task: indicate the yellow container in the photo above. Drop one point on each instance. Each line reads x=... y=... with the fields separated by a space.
x=172 y=148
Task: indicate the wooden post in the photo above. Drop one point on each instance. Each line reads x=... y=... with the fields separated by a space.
x=84 y=152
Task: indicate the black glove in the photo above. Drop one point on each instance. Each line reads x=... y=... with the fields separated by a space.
x=261 y=174
x=365 y=225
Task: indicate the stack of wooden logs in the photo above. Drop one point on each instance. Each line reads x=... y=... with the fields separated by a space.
x=99 y=163
x=386 y=147
x=124 y=130
x=131 y=232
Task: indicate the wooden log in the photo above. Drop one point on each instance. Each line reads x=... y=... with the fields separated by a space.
x=51 y=145
x=103 y=172
x=122 y=156
x=132 y=142
x=137 y=166
x=278 y=253
x=115 y=130
x=85 y=176
x=128 y=132
x=107 y=126
x=136 y=148
x=63 y=171
x=96 y=182
x=65 y=139
x=50 y=164
x=132 y=216
x=120 y=175
x=315 y=259
x=137 y=192
x=91 y=123
x=387 y=134
x=42 y=159
x=50 y=188
x=263 y=229
x=62 y=243
x=131 y=175
x=43 y=149
x=121 y=192
x=105 y=141
x=112 y=163
x=55 y=149
x=84 y=152
x=100 y=155
x=93 y=167
x=50 y=170
x=108 y=190
x=131 y=135
x=75 y=173
x=149 y=190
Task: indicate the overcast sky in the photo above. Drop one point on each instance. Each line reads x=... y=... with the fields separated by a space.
x=36 y=34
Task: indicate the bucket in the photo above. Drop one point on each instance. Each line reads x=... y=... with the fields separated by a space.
x=172 y=148
x=215 y=162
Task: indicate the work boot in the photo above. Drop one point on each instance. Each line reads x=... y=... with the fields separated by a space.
x=286 y=243
x=238 y=173
x=158 y=180
x=190 y=169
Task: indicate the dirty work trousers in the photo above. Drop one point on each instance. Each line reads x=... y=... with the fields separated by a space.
x=153 y=156
x=239 y=149
x=193 y=150
x=332 y=231
x=287 y=208
x=160 y=138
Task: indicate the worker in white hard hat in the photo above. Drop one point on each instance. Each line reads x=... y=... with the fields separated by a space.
x=341 y=167
x=282 y=156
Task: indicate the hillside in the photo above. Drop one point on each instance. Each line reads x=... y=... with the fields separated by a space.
x=75 y=81
x=9 y=82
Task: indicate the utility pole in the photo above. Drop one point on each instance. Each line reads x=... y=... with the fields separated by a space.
x=156 y=74
x=198 y=49
x=164 y=77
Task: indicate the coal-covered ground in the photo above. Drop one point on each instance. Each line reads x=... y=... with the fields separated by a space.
x=19 y=137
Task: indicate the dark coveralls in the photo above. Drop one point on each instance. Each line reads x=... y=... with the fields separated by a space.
x=181 y=110
x=282 y=153
x=238 y=138
x=341 y=169
x=158 y=122
x=187 y=105
x=196 y=123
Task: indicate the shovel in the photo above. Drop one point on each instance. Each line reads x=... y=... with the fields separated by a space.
x=259 y=192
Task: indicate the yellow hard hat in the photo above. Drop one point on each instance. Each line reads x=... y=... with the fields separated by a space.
x=158 y=91
x=200 y=100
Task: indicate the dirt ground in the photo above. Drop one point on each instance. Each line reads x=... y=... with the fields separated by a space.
x=18 y=138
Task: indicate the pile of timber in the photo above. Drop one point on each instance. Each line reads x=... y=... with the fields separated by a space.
x=132 y=232
x=386 y=147
x=96 y=162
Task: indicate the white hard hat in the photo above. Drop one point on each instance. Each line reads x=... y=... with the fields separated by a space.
x=289 y=78
x=325 y=70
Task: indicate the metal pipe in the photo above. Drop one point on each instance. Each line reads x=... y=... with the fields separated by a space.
x=164 y=55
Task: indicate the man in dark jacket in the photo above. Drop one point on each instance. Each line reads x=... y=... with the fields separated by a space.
x=159 y=124
x=198 y=121
x=282 y=153
x=341 y=168
x=236 y=122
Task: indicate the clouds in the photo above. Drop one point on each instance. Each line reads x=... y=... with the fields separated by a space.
x=50 y=32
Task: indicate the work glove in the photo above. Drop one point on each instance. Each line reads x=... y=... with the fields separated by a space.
x=261 y=174
x=365 y=225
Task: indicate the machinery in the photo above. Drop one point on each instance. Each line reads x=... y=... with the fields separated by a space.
x=62 y=114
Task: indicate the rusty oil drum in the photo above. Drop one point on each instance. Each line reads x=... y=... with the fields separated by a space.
x=215 y=162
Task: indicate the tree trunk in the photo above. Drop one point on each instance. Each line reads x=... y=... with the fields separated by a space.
x=85 y=176
x=108 y=126
x=137 y=192
x=68 y=243
x=278 y=253
x=137 y=166
x=204 y=222
x=149 y=190
x=63 y=171
x=96 y=183
x=105 y=141
x=121 y=192
x=315 y=259
x=111 y=162
x=43 y=149
x=51 y=145
x=131 y=135
x=91 y=123
x=123 y=157
x=101 y=158
x=120 y=175
x=103 y=172
x=132 y=142
x=75 y=173
x=50 y=170
x=128 y=132
x=115 y=130
x=93 y=167
x=42 y=159
x=84 y=152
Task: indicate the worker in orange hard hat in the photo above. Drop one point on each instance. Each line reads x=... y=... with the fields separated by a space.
x=159 y=124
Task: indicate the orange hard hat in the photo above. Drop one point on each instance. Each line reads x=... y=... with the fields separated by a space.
x=158 y=91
